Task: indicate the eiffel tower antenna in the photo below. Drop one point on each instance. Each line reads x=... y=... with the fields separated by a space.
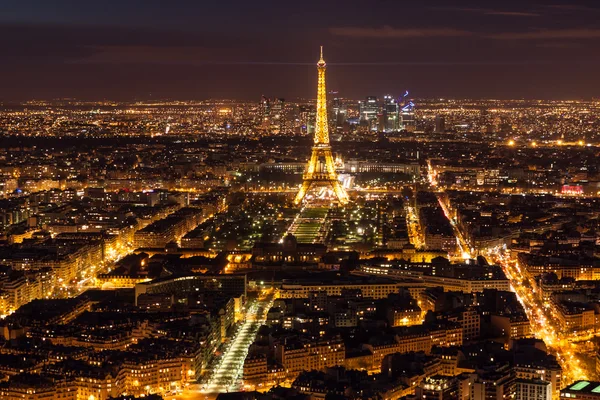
x=320 y=170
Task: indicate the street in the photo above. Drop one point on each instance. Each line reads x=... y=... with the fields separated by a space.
x=227 y=375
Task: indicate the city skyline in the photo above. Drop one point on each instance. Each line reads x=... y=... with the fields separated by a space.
x=219 y=231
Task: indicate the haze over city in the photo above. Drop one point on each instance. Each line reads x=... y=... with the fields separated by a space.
x=190 y=50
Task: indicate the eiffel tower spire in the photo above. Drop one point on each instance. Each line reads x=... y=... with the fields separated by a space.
x=320 y=170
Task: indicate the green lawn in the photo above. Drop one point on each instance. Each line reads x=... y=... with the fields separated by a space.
x=310 y=224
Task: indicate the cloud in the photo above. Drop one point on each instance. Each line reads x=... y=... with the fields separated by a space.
x=489 y=11
x=182 y=55
x=397 y=33
x=572 y=7
x=146 y=55
x=560 y=45
x=54 y=43
x=511 y=13
x=27 y=35
x=578 y=33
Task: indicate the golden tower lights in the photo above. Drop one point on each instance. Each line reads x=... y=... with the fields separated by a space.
x=320 y=170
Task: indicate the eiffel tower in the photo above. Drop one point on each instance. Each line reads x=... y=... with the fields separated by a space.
x=320 y=171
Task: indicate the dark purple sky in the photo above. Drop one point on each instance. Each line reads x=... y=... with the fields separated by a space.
x=198 y=49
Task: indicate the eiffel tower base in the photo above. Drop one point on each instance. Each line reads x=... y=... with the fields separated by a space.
x=335 y=185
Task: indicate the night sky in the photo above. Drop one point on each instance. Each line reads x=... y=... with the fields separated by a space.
x=155 y=49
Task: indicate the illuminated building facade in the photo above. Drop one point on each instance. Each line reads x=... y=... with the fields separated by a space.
x=369 y=109
x=277 y=116
x=391 y=114
x=308 y=115
x=584 y=390
x=408 y=117
x=311 y=355
x=340 y=112
x=373 y=288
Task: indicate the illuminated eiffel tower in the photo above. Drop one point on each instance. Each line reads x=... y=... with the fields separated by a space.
x=320 y=171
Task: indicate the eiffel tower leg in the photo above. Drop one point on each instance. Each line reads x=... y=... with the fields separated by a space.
x=339 y=191
x=329 y=164
x=302 y=192
x=313 y=163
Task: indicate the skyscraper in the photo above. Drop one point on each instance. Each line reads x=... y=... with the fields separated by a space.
x=408 y=117
x=339 y=112
x=277 y=116
x=264 y=112
x=308 y=114
x=272 y=115
x=368 y=112
x=391 y=114
x=440 y=124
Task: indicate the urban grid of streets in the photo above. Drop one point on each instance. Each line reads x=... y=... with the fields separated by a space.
x=228 y=371
x=227 y=374
x=542 y=316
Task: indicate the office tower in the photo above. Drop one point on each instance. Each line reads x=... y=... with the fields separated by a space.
x=308 y=114
x=408 y=117
x=264 y=113
x=368 y=109
x=391 y=114
x=440 y=124
x=277 y=116
x=339 y=111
